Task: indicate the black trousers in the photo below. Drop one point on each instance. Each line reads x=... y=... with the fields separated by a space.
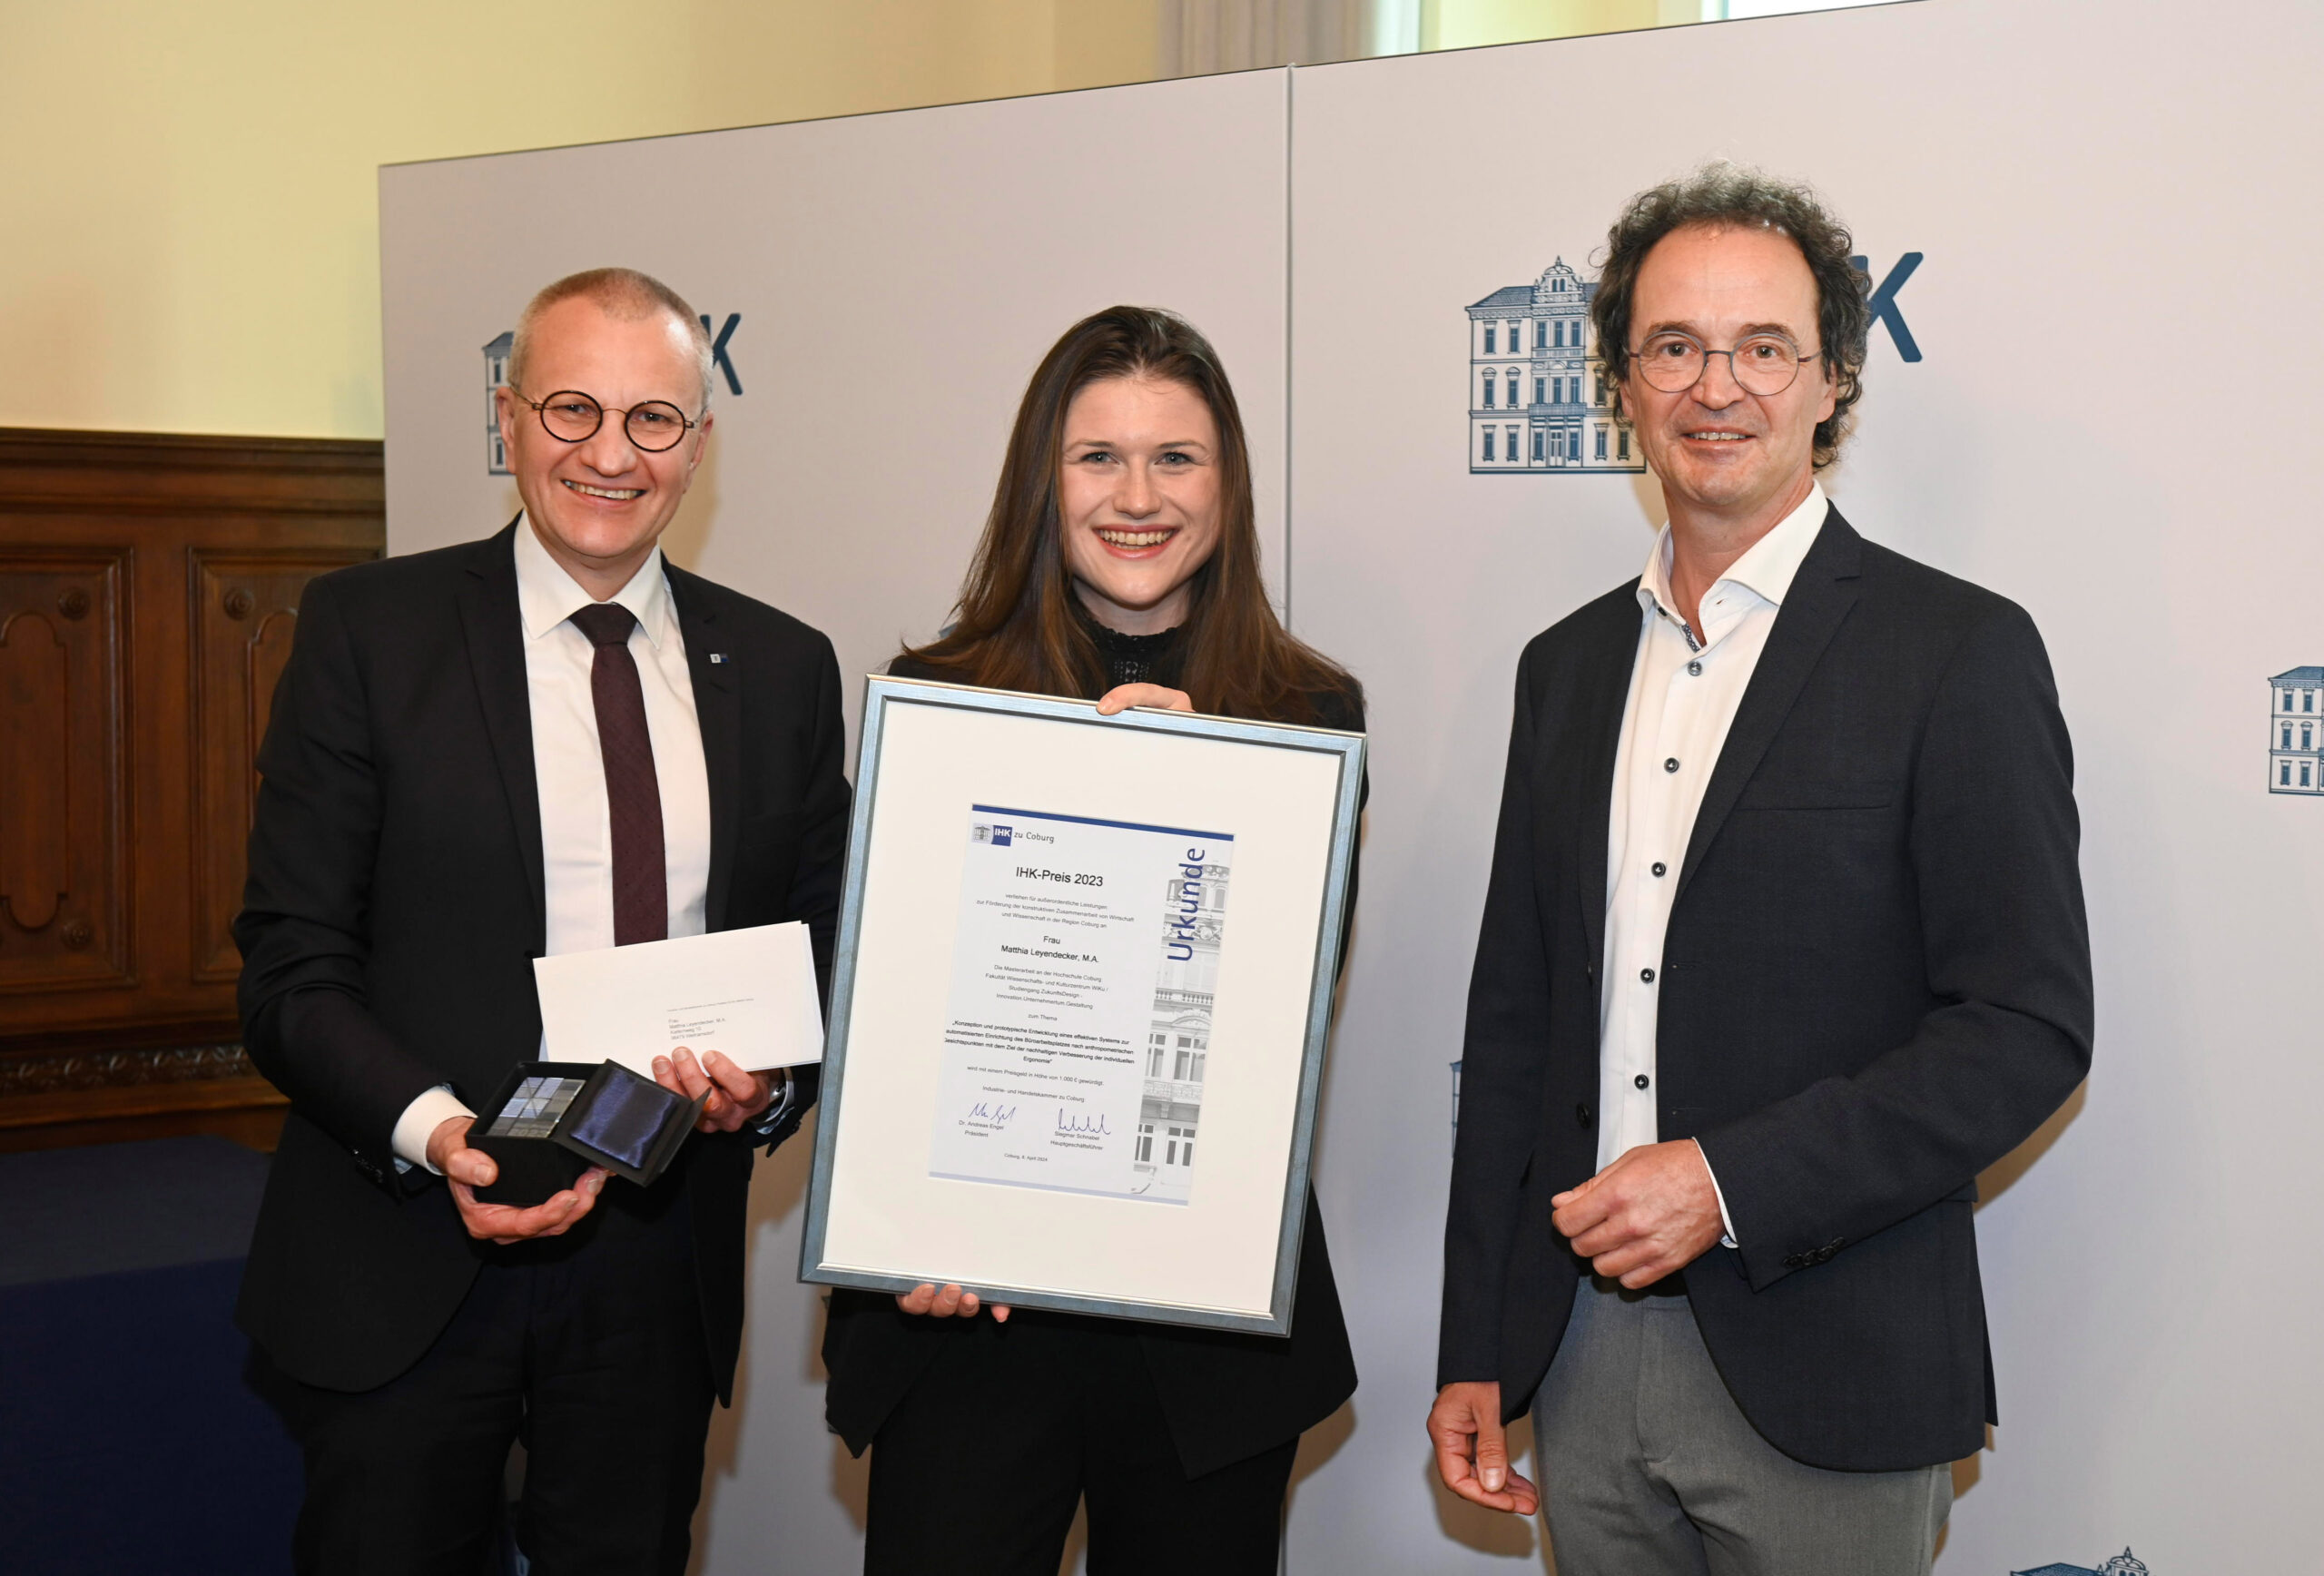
x=977 y=1471
x=589 y=1348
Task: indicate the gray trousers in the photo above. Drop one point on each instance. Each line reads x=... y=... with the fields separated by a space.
x=1648 y=1468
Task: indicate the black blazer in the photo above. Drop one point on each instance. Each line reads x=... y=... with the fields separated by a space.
x=1876 y=983
x=395 y=905
x=1225 y=1396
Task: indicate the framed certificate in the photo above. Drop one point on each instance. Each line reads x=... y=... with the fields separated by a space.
x=1085 y=975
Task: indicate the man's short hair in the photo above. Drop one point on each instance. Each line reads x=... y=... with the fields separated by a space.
x=622 y=292
x=1724 y=196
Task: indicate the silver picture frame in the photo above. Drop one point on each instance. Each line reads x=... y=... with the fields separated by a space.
x=879 y=1217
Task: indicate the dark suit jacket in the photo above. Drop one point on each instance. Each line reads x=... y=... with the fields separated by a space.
x=1225 y=1396
x=1876 y=983
x=395 y=905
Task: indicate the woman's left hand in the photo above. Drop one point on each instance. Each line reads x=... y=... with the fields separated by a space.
x=950 y=1302
x=1121 y=698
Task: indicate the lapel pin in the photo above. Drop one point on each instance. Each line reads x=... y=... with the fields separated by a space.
x=718 y=657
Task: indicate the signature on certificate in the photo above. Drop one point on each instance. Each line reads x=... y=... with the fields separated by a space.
x=986 y=1111
x=1075 y=1122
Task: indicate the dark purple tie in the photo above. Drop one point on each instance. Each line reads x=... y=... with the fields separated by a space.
x=633 y=793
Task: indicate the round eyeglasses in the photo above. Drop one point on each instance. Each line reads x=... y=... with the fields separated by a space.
x=570 y=415
x=1761 y=364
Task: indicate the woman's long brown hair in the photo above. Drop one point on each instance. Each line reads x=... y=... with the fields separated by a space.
x=1015 y=627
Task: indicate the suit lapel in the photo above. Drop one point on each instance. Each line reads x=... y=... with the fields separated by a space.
x=1596 y=738
x=718 y=712
x=1821 y=595
x=496 y=640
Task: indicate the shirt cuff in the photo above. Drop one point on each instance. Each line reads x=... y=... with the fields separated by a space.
x=1726 y=1221
x=419 y=1123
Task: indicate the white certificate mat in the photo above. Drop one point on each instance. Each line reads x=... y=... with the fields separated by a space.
x=1078 y=1068
x=750 y=993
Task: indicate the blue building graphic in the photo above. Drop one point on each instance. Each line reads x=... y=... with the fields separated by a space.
x=2296 y=732
x=1538 y=393
x=1456 y=1106
x=495 y=373
x=2122 y=1564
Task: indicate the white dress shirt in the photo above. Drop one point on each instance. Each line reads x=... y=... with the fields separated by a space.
x=1682 y=700
x=576 y=826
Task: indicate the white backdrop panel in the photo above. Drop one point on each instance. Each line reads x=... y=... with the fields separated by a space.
x=898 y=277
x=2104 y=194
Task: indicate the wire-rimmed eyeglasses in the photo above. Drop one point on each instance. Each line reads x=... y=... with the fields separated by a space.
x=570 y=415
x=1761 y=364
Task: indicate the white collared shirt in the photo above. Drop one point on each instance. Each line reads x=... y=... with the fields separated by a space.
x=576 y=825
x=1683 y=698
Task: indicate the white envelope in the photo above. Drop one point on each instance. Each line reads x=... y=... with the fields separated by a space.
x=749 y=993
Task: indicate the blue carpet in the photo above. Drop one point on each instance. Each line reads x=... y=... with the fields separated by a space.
x=129 y=1442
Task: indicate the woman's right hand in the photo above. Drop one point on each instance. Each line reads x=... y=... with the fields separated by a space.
x=1160 y=697
x=950 y=1302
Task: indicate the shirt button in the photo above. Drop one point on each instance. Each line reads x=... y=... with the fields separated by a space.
x=1694 y=669
x=1641 y=1080
x=1647 y=975
x=1661 y=868
x=1672 y=764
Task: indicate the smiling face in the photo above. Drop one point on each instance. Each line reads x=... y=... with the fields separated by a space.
x=1726 y=457
x=1138 y=499
x=598 y=505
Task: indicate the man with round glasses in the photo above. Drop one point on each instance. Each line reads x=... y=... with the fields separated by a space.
x=1784 y=944
x=549 y=740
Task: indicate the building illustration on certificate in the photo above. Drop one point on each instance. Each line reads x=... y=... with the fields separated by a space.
x=1178 y=1045
x=1538 y=396
x=2296 y=732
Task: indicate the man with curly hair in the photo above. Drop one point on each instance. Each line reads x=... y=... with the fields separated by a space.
x=1784 y=944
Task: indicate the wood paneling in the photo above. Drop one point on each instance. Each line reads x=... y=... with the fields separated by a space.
x=63 y=789
x=244 y=607
x=149 y=587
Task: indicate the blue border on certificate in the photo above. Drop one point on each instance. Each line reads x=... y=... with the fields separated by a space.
x=1093 y=820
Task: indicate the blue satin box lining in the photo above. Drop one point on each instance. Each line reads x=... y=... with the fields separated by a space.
x=551 y=1119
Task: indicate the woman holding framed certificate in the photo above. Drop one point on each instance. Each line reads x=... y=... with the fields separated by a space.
x=1120 y=563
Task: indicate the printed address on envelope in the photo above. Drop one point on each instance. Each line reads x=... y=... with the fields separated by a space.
x=748 y=993
x=1079 y=1024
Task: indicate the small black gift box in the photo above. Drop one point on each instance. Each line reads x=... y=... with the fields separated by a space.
x=552 y=1119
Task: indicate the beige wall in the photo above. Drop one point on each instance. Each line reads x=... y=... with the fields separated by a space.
x=1462 y=24
x=188 y=210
